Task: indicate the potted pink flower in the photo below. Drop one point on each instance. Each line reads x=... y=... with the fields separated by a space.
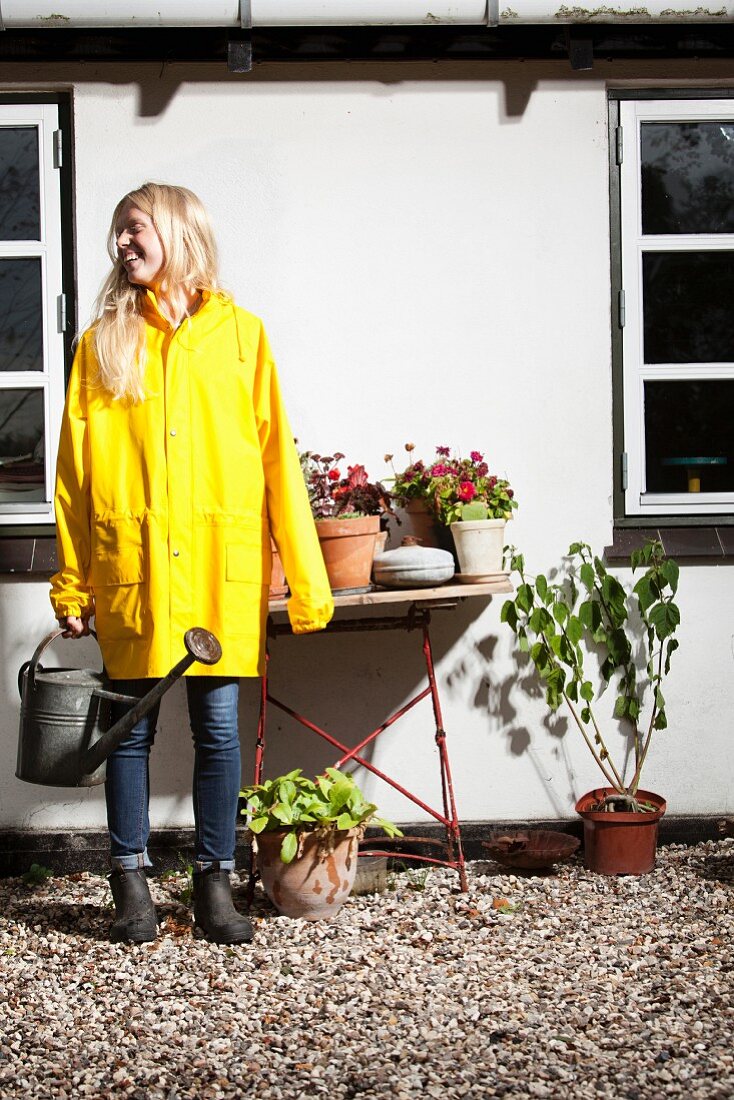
x=462 y=494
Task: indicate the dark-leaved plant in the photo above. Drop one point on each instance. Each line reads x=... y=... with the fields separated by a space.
x=332 y=496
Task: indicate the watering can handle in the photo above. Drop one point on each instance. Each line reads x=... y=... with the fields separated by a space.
x=32 y=665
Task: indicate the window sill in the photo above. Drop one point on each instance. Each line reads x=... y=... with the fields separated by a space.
x=714 y=544
x=19 y=554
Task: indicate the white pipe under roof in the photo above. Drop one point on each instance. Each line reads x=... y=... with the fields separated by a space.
x=17 y=14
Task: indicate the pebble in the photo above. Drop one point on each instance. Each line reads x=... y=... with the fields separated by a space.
x=582 y=985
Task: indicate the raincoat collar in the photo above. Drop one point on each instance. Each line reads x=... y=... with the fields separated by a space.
x=152 y=312
x=207 y=316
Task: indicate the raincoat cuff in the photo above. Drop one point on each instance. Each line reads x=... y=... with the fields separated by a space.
x=307 y=620
x=75 y=608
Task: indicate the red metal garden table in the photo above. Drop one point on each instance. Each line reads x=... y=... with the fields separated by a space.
x=421 y=603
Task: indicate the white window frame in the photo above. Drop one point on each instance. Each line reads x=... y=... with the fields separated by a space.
x=44 y=116
x=638 y=501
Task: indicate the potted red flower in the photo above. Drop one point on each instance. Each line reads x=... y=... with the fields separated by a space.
x=348 y=511
x=461 y=494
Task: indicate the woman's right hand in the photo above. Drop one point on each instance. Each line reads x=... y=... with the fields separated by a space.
x=73 y=626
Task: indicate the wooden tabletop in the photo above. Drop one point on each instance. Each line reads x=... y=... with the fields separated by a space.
x=445 y=593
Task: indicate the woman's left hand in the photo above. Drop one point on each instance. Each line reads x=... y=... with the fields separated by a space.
x=74 y=627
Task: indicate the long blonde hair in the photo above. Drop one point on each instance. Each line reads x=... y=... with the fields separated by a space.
x=190 y=262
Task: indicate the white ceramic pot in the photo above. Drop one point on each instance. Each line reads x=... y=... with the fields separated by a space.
x=479 y=544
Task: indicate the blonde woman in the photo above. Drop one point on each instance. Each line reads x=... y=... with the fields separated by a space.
x=176 y=463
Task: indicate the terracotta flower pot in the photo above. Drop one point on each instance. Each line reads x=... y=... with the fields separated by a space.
x=316 y=884
x=278 y=583
x=619 y=843
x=416 y=521
x=348 y=546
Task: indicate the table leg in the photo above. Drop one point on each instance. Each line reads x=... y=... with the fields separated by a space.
x=258 y=771
x=453 y=832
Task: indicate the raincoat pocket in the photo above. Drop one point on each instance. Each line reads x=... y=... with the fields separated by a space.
x=124 y=566
x=248 y=562
x=118 y=581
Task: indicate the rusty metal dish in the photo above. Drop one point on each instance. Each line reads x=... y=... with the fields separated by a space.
x=531 y=849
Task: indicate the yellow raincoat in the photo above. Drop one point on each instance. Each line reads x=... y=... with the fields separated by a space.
x=164 y=509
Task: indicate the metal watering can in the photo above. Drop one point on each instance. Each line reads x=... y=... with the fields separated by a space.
x=65 y=737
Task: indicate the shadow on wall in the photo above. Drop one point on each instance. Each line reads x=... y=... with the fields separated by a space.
x=475 y=674
x=158 y=83
x=155 y=96
x=348 y=684
x=345 y=683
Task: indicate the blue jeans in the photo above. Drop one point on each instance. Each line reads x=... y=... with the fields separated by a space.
x=212 y=702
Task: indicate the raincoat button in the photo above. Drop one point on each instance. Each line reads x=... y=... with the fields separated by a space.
x=172 y=431
x=175 y=553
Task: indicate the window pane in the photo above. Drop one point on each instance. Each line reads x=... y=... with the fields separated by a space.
x=690 y=444
x=687 y=305
x=21 y=314
x=687 y=177
x=21 y=445
x=19 y=190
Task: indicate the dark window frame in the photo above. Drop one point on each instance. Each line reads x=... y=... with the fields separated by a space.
x=685 y=536
x=30 y=547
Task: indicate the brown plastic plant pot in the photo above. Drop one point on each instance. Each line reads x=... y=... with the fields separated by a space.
x=619 y=842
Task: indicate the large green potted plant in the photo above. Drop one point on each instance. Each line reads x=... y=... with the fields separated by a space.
x=306 y=835
x=348 y=511
x=585 y=617
x=463 y=496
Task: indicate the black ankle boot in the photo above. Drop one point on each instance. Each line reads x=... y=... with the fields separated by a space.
x=214 y=911
x=135 y=920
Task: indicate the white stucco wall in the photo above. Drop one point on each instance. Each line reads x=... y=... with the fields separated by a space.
x=430 y=252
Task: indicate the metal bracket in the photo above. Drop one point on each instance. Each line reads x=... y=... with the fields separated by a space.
x=239 y=42
x=580 y=48
x=239 y=52
x=493 y=13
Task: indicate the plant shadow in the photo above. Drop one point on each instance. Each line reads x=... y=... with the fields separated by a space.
x=718 y=867
x=495 y=697
x=87 y=920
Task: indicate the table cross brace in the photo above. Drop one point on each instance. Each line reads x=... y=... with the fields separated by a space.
x=417 y=617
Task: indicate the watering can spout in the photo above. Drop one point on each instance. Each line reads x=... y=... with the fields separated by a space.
x=62 y=710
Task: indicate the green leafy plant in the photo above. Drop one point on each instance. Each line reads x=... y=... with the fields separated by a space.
x=186 y=892
x=561 y=623
x=328 y=805
x=453 y=488
x=36 y=875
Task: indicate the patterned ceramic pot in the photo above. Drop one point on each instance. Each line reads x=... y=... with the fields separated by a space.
x=317 y=882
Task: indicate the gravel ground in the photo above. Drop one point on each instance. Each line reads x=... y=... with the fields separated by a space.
x=576 y=985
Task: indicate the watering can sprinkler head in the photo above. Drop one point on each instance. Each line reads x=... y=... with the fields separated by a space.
x=202 y=645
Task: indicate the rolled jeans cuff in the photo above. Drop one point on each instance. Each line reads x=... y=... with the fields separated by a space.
x=133 y=862
x=205 y=864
